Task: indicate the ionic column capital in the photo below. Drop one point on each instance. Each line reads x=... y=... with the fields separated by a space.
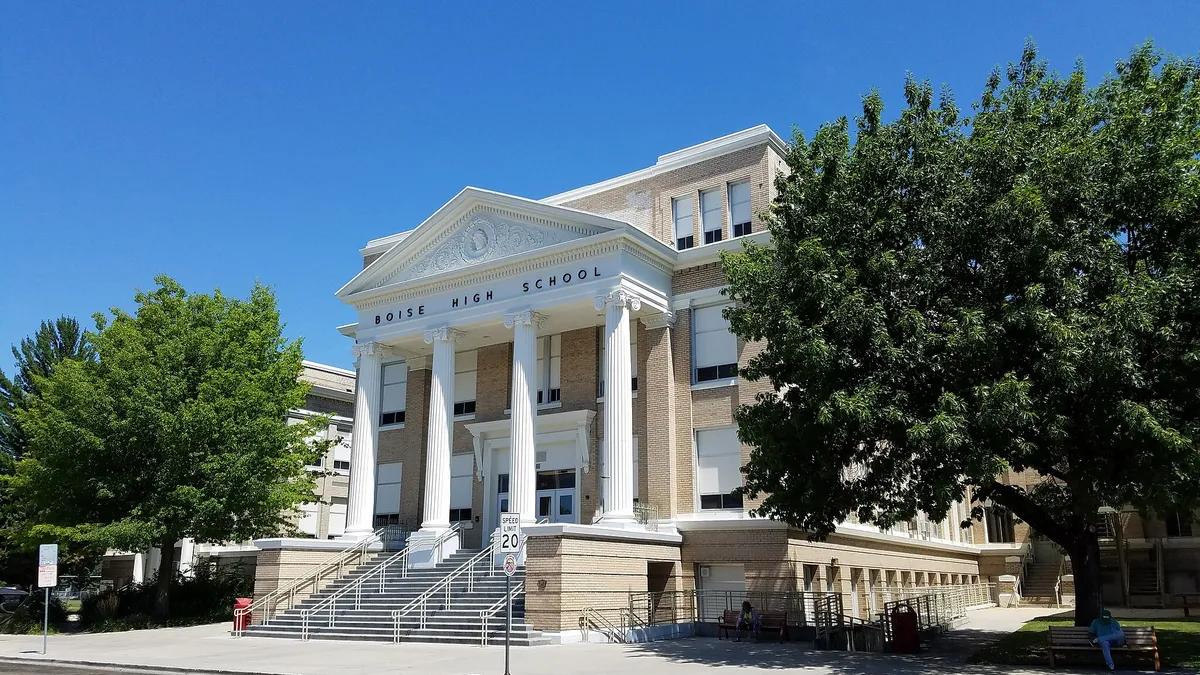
x=445 y=334
x=662 y=320
x=361 y=349
x=619 y=298
x=527 y=317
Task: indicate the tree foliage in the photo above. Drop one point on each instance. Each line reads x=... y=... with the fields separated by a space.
x=178 y=429
x=54 y=342
x=947 y=297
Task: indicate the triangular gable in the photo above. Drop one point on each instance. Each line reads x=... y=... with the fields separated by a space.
x=476 y=227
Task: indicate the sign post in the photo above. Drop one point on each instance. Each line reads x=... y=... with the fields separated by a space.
x=510 y=546
x=47 y=579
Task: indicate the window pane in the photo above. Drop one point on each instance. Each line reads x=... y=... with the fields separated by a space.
x=387 y=498
x=710 y=501
x=682 y=208
x=739 y=202
x=502 y=483
x=394 y=396
x=709 y=318
x=388 y=473
x=394 y=373
x=464 y=386
x=710 y=207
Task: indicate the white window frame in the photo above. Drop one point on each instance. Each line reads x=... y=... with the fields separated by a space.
x=725 y=376
x=549 y=380
x=397 y=415
x=706 y=224
x=466 y=367
x=460 y=474
x=399 y=483
x=749 y=221
x=688 y=239
x=725 y=498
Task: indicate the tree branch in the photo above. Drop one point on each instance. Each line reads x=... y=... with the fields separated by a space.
x=1025 y=509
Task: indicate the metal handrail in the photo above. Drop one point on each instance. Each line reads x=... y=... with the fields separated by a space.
x=446 y=582
x=486 y=614
x=1062 y=567
x=268 y=604
x=330 y=603
x=591 y=617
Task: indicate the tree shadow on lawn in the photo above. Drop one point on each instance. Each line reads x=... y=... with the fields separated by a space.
x=790 y=655
x=1178 y=645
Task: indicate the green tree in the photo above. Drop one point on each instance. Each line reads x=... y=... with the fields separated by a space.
x=54 y=342
x=945 y=298
x=178 y=429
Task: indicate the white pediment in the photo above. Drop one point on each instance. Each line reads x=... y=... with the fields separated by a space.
x=483 y=236
x=477 y=227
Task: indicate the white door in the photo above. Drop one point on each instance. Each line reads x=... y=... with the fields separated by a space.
x=556 y=496
x=721 y=587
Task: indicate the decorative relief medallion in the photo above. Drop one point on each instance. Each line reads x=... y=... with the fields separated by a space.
x=485 y=237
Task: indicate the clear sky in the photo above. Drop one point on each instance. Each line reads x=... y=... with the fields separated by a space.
x=223 y=142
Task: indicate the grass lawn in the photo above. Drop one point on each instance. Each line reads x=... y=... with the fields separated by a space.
x=1178 y=645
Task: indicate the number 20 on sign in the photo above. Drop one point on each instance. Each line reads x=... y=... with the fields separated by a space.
x=510 y=533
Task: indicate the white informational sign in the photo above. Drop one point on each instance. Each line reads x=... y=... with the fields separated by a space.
x=510 y=533
x=47 y=565
x=510 y=565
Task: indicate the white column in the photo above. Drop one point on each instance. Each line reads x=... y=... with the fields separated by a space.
x=618 y=406
x=187 y=557
x=139 y=568
x=360 y=507
x=436 y=514
x=522 y=475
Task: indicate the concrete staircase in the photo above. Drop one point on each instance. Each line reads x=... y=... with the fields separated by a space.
x=1037 y=588
x=456 y=623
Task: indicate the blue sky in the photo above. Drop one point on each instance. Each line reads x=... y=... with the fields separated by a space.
x=223 y=142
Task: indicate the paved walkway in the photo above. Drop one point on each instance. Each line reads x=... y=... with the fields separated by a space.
x=210 y=648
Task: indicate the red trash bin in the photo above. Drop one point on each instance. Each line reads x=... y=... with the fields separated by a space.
x=241 y=614
x=906 y=639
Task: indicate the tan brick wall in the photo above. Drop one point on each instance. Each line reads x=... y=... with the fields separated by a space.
x=565 y=574
x=698 y=278
x=685 y=454
x=658 y=463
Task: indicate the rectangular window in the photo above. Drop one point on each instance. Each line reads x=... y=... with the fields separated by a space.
x=681 y=210
x=636 y=471
x=461 y=466
x=309 y=517
x=466 y=368
x=337 y=517
x=710 y=215
x=341 y=455
x=739 y=208
x=549 y=350
x=395 y=392
x=714 y=347
x=718 y=468
x=387 y=489
x=633 y=360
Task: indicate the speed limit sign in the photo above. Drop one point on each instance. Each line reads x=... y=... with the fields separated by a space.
x=510 y=533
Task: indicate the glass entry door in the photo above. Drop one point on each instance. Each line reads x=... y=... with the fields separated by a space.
x=556 y=496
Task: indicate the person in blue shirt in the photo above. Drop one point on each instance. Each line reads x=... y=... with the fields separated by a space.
x=1107 y=633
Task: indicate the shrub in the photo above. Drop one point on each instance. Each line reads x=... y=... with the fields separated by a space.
x=206 y=597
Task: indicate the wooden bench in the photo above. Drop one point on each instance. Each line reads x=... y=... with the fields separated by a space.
x=1077 y=639
x=775 y=622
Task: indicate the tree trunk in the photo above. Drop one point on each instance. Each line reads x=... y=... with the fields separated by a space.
x=1085 y=565
x=166 y=575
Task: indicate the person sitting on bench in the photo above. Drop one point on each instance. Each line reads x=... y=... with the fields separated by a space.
x=1107 y=633
x=748 y=620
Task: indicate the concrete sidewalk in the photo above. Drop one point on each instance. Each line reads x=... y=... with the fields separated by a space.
x=210 y=648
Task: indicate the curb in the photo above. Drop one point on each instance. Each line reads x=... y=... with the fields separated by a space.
x=124 y=667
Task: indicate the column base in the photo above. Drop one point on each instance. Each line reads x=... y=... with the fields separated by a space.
x=354 y=535
x=424 y=551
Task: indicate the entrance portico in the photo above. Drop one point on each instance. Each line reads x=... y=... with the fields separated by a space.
x=489 y=269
